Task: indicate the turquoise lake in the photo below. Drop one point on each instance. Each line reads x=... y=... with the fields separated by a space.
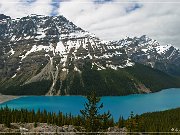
x=118 y=105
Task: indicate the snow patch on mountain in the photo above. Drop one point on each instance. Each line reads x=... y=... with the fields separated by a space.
x=162 y=49
x=14 y=76
x=11 y=52
x=36 y=48
x=60 y=49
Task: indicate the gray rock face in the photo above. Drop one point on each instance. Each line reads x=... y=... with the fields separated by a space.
x=149 y=52
x=37 y=48
x=42 y=128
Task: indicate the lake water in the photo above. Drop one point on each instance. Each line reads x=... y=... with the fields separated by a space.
x=118 y=105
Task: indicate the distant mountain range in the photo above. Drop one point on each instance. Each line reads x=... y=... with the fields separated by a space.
x=49 y=55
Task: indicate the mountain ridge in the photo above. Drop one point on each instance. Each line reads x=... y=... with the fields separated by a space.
x=38 y=49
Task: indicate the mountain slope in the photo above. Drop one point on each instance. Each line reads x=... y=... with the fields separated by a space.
x=50 y=55
x=162 y=121
x=149 y=52
x=131 y=80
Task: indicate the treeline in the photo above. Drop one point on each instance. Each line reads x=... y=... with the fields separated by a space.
x=153 y=79
x=34 y=88
x=163 y=121
x=8 y=116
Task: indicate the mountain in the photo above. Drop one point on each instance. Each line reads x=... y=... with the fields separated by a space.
x=50 y=55
x=149 y=52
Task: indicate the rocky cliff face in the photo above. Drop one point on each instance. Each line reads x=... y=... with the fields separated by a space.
x=149 y=52
x=50 y=49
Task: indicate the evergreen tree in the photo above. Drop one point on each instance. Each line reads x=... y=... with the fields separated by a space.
x=130 y=122
x=121 y=122
x=93 y=118
x=35 y=124
x=7 y=115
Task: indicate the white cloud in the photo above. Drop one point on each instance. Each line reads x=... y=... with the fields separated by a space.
x=157 y=19
x=19 y=8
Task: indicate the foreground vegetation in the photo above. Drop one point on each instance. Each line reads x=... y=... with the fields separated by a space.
x=92 y=120
x=162 y=121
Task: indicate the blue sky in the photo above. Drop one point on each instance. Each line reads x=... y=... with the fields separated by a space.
x=109 y=19
x=56 y=5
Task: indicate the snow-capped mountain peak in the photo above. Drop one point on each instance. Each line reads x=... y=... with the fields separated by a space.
x=46 y=47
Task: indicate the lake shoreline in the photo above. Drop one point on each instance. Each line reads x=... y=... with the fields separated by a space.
x=5 y=98
x=11 y=97
x=118 y=105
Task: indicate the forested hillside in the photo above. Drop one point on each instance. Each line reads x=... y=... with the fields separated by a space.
x=130 y=80
x=164 y=121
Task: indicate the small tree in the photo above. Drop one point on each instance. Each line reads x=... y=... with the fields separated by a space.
x=135 y=123
x=121 y=122
x=7 y=121
x=130 y=124
x=35 y=124
x=93 y=119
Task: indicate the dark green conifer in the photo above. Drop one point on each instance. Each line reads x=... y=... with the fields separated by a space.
x=91 y=114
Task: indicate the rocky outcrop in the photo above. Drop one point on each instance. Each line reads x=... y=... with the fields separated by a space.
x=44 y=128
x=149 y=52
